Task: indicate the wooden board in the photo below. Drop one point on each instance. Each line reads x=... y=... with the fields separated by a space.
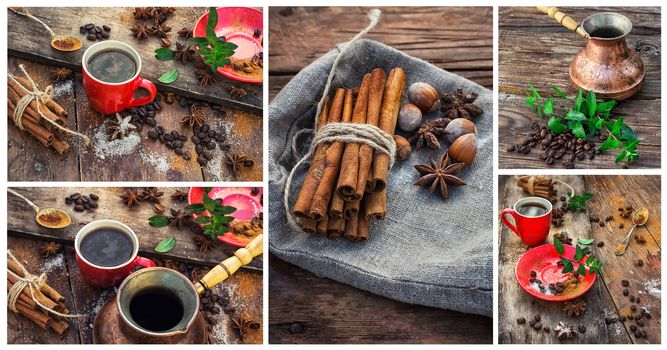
x=28 y=39
x=22 y=223
x=535 y=49
x=456 y=39
x=148 y=161
x=335 y=313
x=605 y=299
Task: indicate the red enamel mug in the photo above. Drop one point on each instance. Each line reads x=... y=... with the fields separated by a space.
x=532 y=229
x=109 y=98
x=108 y=276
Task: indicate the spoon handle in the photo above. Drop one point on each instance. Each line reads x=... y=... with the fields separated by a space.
x=626 y=240
x=565 y=20
x=24 y=12
x=25 y=199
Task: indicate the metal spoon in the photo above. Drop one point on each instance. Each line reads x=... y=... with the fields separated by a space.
x=639 y=218
x=59 y=42
x=49 y=217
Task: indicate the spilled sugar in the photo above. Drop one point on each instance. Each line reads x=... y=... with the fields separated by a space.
x=118 y=147
x=157 y=161
x=653 y=288
x=55 y=262
x=65 y=87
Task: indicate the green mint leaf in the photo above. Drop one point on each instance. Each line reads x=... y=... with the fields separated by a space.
x=556 y=125
x=559 y=246
x=211 y=37
x=598 y=124
x=585 y=241
x=609 y=143
x=567 y=266
x=621 y=156
x=560 y=93
x=203 y=219
x=591 y=103
x=630 y=145
x=578 y=101
x=164 y=54
x=196 y=208
x=581 y=270
x=158 y=221
x=578 y=130
x=199 y=41
x=605 y=108
x=549 y=106
x=209 y=203
x=534 y=92
x=575 y=116
x=616 y=128
x=169 y=77
x=579 y=254
x=627 y=133
x=166 y=245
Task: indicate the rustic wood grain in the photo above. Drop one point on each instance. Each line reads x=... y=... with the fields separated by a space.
x=21 y=222
x=605 y=299
x=335 y=313
x=28 y=39
x=535 y=49
x=456 y=39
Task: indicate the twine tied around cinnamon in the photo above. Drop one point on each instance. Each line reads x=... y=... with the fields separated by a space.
x=33 y=283
x=40 y=96
x=366 y=134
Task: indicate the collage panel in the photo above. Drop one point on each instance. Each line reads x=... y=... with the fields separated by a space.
x=579 y=259
x=583 y=94
x=135 y=94
x=361 y=251
x=135 y=265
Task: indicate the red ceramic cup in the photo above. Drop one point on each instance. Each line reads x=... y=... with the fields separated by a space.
x=109 y=98
x=533 y=230
x=103 y=276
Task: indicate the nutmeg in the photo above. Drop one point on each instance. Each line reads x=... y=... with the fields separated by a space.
x=459 y=127
x=464 y=149
x=423 y=96
x=409 y=118
x=403 y=148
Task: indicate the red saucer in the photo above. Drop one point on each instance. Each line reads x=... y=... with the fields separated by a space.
x=544 y=260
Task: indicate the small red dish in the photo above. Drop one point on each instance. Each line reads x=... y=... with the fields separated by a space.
x=237 y=25
x=544 y=260
x=247 y=204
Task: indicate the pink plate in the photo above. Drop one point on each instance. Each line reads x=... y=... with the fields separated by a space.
x=247 y=205
x=237 y=25
x=543 y=260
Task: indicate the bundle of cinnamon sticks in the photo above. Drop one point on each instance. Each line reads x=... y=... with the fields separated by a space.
x=346 y=182
x=540 y=186
x=32 y=122
x=46 y=296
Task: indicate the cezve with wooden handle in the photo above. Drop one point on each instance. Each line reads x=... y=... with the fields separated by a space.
x=565 y=20
x=226 y=268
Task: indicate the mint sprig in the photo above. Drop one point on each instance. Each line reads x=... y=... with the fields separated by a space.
x=215 y=50
x=590 y=265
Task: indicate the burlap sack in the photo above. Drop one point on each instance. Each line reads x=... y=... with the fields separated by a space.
x=427 y=251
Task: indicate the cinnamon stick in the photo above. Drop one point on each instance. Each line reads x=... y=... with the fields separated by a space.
x=29 y=111
x=376 y=204
x=391 y=104
x=349 y=166
x=46 y=302
x=336 y=206
x=39 y=318
x=21 y=91
x=330 y=171
x=60 y=146
x=309 y=225
x=60 y=326
x=46 y=289
x=50 y=104
x=335 y=228
x=322 y=226
x=363 y=225
x=42 y=135
x=352 y=228
x=23 y=296
x=351 y=209
x=376 y=91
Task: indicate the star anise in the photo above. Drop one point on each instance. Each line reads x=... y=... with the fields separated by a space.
x=204 y=244
x=179 y=218
x=241 y=325
x=179 y=195
x=237 y=92
x=185 y=33
x=142 y=12
x=59 y=74
x=205 y=76
x=141 y=31
x=459 y=105
x=167 y=11
x=47 y=249
x=183 y=53
x=131 y=198
x=439 y=175
x=196 y=118
x=235 y=162
x=161 y=30
x=119 y=128
x=151 y=194
x=429 y=133
x=574 y=309
x=565 y=331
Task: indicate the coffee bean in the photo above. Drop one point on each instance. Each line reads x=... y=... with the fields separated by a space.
x=199 y=148
x=93 y=204
x=248 y=163
x=85 y=199
x=178 y=144
x=211 y=145
x=89 y=26
x=632 y=298
x=601 y=244
x=625 y=283
x=182 y=138
x=205 y=128
x=633 y=327
x=169 y=137
x=83 y=30
x=186 y=156
x=106 y=28
x=86 y=206
x=201 y=160
x=622 y=318
x=215 y=310
x=150 y=121
x=91 y=37
x=208 y=155
x=98 y=36
x=296 y=328
x=640 y=262
x=153 y=134
x=178 y=151
x=582 y=328
x=638 y=301
x=79 y=207
x=633 y=308
x=169 y=145
x=68 y=200
x=640 y=323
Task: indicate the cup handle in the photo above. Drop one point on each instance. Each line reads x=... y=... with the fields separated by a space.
x=507 y=223
x=143 y=262
x=146 y=85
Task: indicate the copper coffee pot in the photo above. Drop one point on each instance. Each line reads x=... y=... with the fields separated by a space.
x=606 y=65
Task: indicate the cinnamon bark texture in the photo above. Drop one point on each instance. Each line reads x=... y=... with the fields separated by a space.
x=372 y=118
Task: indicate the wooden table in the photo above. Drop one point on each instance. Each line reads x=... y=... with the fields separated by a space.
x=303 y=307
x=605 y=299
x=28 y=160
x=535 y=49
x=244 y=288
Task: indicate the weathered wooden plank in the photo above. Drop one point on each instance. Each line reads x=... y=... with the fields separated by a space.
x=21 y=330
x=335 y=313
x=27 y=39
x=514 y=302
x=21 y=221
x=29 y=160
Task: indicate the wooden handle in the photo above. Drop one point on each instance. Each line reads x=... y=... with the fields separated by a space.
x=565 y=20
x=226 y=268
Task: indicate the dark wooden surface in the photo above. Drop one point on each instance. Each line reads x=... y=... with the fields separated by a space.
x=605 y=298
x=459 y=40
x=456 y=39
x=28 y=160
x=244 y=290
x=28 y=39
x=535 y=49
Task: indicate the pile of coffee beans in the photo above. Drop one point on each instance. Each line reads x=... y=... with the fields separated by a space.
x=84 y=202
x=95 y=32
x=145 y=115
x=206 y=140
x=565 y=146
x=639 y=318
x=174 y=140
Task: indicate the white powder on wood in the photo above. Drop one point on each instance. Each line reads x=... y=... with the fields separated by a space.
x=65 y=87
x=653 y=288
x=118 y=147
x=57 y=261
x=157 y=161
